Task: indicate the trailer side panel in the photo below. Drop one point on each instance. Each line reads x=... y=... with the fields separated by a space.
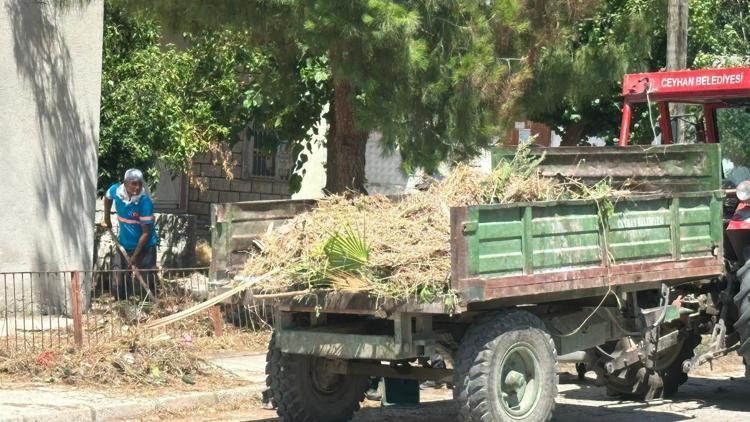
x=544 y=251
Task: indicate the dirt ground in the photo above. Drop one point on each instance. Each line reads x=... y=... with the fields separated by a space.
x=712 y=395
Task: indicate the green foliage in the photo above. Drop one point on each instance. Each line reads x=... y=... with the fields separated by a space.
x=719 y=31
x=432 y=76
x=145 y=112
x=159 y=102
x=577 y=82
x=719 y=34
x=734 y=125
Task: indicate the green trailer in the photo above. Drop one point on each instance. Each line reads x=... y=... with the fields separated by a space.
x=622 y=287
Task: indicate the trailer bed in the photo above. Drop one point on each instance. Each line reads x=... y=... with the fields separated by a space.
x=529 y=253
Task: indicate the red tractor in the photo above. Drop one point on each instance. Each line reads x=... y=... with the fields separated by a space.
x=711 y=91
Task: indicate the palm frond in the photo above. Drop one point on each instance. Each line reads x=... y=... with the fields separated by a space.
x=346 y=250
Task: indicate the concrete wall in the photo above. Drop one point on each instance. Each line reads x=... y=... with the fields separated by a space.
x=50 y=75
x=382 y=168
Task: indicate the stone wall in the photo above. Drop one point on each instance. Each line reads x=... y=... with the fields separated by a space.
x=218 y=188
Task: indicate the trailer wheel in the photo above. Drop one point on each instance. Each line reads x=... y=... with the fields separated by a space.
x=742 y=300
x=308 y=391
x=273 y=365
x=506 y=370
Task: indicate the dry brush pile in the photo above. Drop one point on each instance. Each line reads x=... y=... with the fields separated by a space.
x=137 y=358
x=398 y=248
x=119 y=351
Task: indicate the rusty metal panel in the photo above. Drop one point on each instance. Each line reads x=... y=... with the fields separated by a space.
x=660 y=168
x=343 y=346
x=360 y=304
x=550 y=287
x=235 y=225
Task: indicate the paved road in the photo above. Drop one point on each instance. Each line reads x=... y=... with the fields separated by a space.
x=705 y=398
x=713 y=396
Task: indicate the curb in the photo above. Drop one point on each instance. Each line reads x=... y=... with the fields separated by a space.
x=139 y=407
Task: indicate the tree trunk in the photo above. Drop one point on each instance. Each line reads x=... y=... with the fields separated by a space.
x=345 y=145
x=677 y=46
x=572 y=136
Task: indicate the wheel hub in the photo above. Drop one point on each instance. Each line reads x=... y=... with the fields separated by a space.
x=519 y=385
x=515 y=381
x=324 y=379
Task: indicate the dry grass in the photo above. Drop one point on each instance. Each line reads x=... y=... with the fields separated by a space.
x=139 y=358
x=119 y=351
x=136 y=359
x=131 y=356
x=407 y=241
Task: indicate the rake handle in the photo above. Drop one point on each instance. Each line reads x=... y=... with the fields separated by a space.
x=124 y=253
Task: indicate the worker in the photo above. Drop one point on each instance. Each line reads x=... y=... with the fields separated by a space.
x=135 y=215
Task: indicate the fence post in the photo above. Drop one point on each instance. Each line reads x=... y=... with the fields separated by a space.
x=75 y=299
x=216 y=318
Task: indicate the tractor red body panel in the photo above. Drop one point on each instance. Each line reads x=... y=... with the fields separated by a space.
x=713 y=88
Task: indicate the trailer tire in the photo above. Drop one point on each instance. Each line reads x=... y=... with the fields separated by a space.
x=273 y=365
x=496 y=348
x=742 y=301
x=307 y=392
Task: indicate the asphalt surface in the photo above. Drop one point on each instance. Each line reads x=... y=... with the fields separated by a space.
x=714 y=396
x=721 y=394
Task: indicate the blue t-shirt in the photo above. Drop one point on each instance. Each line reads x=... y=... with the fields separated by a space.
x=130 y=216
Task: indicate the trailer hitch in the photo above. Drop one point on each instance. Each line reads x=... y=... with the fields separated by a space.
x=716 y=348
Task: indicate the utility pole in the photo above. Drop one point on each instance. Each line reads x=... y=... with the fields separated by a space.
x=677 y=42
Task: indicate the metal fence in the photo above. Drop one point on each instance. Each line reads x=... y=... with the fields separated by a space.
x=44 y=310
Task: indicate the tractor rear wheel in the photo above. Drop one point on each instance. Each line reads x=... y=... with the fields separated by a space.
x=742 y=301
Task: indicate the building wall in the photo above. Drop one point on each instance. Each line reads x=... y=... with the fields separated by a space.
x=541 y=133
x=217 y=187
x=382 y=170
x=50 y=62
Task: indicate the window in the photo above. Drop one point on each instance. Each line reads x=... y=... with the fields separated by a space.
x=265 y=157
x=261 y=153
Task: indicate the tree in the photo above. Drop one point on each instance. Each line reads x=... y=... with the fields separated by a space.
x=167 y=104
x=719 y=33
x=431 y=76
x=145 y=112
x=719 y=38
x=575 y=85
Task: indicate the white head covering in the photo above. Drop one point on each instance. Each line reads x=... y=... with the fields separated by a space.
x=132 y=175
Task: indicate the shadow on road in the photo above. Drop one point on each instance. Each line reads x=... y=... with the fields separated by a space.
x=700 y=398
x=443 y=411
x=726 y=394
